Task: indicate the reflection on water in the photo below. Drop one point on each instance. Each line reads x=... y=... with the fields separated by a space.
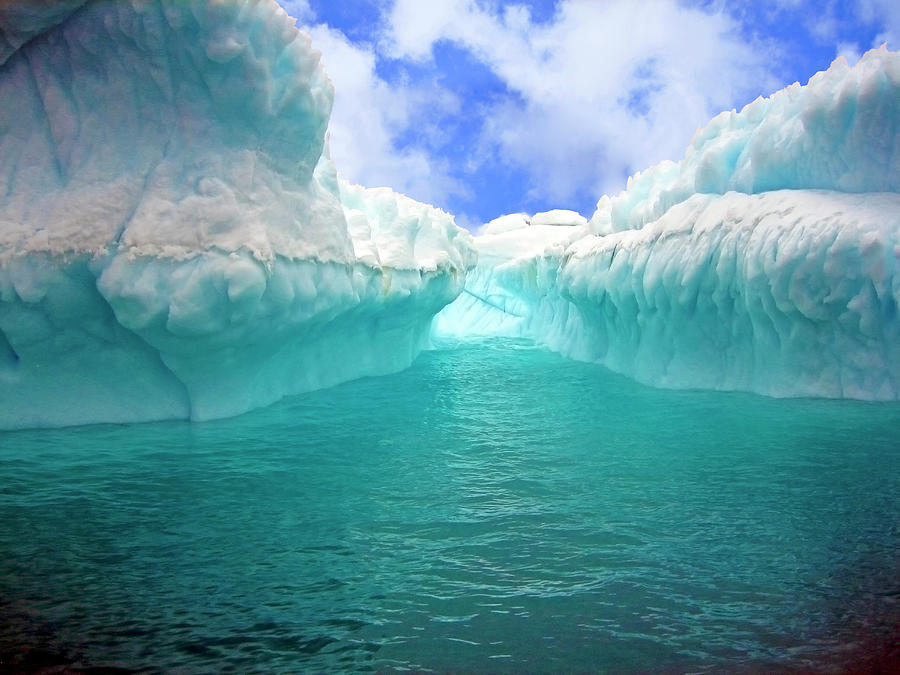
x=493 y=508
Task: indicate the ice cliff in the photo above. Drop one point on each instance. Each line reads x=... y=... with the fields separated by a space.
x=174 y=241
x=766 y=260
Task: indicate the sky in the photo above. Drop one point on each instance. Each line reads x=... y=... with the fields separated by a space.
x=487 y=107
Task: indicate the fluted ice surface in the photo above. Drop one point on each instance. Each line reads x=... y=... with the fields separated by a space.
x=174 y=241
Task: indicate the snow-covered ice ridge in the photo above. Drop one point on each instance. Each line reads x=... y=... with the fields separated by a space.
x=766 y=260
x=174 y=240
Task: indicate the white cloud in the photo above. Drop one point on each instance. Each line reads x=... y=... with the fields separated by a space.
x=370 y=116
x=850 y=51
x=603 y=90
x=597 y=91
x=299 y=9
x=887 y=13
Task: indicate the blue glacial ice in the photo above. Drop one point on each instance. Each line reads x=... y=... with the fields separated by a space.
x=766 y=260
x=174 y=240
x=176 y=243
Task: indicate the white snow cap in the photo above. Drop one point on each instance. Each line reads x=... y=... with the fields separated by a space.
x=839 y=132
x=507 y=223
x=559 y=217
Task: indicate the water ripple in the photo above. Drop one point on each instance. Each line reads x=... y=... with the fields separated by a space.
x=494 y=508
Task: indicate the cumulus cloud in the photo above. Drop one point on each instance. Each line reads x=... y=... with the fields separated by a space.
x=601 y=90
x=887 y=14
x=371 y=115
x=581 y=99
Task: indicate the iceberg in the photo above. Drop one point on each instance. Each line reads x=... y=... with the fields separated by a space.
x=765 y=261
x=174 y=240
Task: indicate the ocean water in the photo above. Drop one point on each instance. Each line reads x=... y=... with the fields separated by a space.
x=493 y=508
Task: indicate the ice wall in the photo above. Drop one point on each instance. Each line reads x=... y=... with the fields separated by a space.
x=786 y=293
x=173 y=242
x=766 y=260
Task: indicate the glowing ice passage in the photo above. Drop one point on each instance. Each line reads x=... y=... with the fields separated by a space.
x=175 y=241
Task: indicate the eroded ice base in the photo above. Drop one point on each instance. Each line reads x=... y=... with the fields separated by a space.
x=93 y=340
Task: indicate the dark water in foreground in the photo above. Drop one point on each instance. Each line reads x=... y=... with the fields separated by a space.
x=493 y=508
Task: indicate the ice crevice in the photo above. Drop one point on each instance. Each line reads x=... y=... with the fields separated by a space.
x=8 y=356
x=43 y=119
x=491 y=304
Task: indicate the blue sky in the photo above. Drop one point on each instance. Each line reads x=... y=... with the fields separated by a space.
x=486 y=107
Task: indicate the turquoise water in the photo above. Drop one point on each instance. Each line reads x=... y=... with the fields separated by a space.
x=493 y=508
